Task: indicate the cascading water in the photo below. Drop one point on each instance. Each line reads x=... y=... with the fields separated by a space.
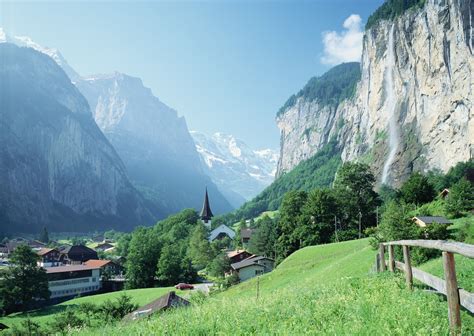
x=390 y=106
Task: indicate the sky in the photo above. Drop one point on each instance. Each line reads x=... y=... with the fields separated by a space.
x=226 y=66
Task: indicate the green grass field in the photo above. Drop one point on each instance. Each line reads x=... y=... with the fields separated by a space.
x=47 y=314
x=324 y=290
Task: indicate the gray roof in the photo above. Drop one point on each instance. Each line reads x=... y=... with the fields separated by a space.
x=253 y=260
x=221 y=229
x=433 y=219
x=169 y=300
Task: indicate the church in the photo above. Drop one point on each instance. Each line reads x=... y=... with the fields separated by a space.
x=206 y=215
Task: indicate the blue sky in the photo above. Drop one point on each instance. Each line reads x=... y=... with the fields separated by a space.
x=225 y=65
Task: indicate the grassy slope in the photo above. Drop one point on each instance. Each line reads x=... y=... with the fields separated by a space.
x=47 y=314
x=317 y=290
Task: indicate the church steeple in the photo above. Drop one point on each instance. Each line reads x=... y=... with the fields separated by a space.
x=206 y=212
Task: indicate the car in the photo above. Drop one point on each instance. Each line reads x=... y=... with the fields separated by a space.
x=183 y=286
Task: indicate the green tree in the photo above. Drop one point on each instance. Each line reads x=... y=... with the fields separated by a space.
x=264 y=238
x=460 y=170
x=417 y=190
x=199 y=249
x=169 y=265
x=144 y=251
x=357 y=200
x=290 y=211
x=24 y=281
x=317 y=219
x=460 y=198
x=44 y=237
x=219 y=266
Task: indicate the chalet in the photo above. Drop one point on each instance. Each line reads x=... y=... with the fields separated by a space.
x=423 y=221
x=48 y=257
x=237 y=255
x=106 y=266
x=73 y=280
x=104 y=247
x=252 y=267
x=221 y=232
x=246 y=234
x=77 y=254
x=206 y=212
x=167 y=301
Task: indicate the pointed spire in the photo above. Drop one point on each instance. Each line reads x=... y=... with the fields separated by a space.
x=206 y=212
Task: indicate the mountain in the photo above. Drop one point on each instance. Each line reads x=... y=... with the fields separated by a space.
x=153 y=142
x=407 y=107
x=239 y=171
x=56 y=167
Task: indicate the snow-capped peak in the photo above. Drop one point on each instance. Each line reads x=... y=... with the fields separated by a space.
x=25 y=41
x=233 y=165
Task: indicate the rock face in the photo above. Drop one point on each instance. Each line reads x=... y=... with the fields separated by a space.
x=153 y=142
x=413 y=107
x=239 y=171
x=56 y=167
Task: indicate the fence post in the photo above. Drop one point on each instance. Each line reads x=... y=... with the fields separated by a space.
x=408 y=270
x=391 y=258
x=452 y=293
x=377 y=263
x=383 y=268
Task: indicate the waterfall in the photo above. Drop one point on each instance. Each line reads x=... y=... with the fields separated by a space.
x=390 y=106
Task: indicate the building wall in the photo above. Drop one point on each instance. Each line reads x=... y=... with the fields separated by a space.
x=250 y=272
x=72 y=287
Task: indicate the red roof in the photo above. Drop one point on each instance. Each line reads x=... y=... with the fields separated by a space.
x=97 y=263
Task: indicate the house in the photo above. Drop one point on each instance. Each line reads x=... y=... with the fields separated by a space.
x=170 y=300
x=73 y=280
x=206 y=212
x=252 y=267
x=104 y=247
x=48 y=257
x=36 y=244
x=423 y=221
x=77 y=254
x=246 y=234
x=443 y=194
x=221 y=232
x=237 y=255
x=107 y=267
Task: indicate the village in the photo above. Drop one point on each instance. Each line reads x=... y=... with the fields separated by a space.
x=77 y=270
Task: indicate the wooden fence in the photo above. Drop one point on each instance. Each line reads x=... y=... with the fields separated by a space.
x=456 y=296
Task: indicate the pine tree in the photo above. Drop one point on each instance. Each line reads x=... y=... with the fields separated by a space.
x=44 y=237
x=199 y=249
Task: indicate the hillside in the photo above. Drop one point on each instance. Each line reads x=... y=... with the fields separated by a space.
x=316 y=172
x=323 y=289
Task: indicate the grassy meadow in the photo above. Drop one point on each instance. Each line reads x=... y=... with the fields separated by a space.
x=324 y=290
x=47 y=314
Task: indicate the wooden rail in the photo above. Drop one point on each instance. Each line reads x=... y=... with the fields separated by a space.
x=456 y=297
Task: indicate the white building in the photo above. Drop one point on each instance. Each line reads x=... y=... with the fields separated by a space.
x=73 y=280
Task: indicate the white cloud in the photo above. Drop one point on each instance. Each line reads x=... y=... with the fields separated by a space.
x=344 y=46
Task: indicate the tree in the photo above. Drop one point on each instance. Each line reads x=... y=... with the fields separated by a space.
x=317 y=219
x=78 y=241
x=417 y=190
x=263 y=239
x=199 y=249
x=460 y=198
x=144 y=250
x=290 y=212
x=24 y=281
x=169 y=265
x=219 y=266
x=44 y=237
x=356 y=198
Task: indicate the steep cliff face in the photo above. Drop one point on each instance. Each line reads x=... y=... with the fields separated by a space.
x=413 y=107
x=56 y=167
x=153 y=142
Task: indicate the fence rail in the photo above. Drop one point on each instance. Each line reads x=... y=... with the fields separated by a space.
x=456 y=296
